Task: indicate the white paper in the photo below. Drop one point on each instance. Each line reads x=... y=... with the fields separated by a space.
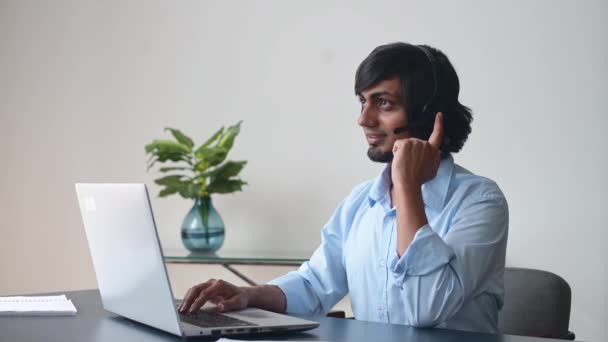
x=36 y=306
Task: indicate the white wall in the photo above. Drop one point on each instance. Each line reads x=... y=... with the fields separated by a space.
x=85 y=85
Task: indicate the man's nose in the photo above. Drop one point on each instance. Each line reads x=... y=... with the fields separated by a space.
x=367 y=118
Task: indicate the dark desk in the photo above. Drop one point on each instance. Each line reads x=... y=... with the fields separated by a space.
x=92 y=323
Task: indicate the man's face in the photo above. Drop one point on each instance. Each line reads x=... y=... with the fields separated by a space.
x=382 y=111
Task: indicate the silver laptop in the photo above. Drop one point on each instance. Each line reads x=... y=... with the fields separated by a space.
x=131 y=273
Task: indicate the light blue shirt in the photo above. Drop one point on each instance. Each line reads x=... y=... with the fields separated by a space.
x=451 y=275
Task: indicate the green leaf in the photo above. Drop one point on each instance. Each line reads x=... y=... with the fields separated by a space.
x=173 y=168
x=225 y=186
x=226 y=170
x=150 y=147
x=170 y=180
x=167 y=150
x=211 y=140
x=176 y=184
x=212 y=155
x=227 y=140
x=167 y=191
x=181 y=137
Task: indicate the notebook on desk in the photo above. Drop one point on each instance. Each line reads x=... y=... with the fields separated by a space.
x=36 y=306
x=131 y=273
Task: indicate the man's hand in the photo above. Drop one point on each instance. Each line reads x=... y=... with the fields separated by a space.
x=416 y=161
x=226 y=296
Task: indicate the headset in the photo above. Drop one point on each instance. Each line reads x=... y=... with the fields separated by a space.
x=429 y=102
x=431 y=59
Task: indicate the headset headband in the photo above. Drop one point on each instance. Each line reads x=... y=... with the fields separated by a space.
x=431 y=60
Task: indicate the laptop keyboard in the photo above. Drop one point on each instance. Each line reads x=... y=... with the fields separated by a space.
x=210 y=319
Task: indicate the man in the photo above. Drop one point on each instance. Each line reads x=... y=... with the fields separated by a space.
x=424 y=243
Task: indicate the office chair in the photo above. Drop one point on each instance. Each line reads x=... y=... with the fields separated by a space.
x=537 y=303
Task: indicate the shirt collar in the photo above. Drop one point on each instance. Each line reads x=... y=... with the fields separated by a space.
x=434 y=191
x=380 y=186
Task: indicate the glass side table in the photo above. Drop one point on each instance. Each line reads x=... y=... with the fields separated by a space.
x=227 y=258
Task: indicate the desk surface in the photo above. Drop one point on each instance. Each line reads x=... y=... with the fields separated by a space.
x=92 y=323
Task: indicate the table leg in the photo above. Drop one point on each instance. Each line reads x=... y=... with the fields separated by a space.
x=239 y=274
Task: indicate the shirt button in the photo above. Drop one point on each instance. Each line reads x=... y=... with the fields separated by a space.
x=382 y=263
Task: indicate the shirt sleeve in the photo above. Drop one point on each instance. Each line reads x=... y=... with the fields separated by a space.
x=438 y=275
x=320 y=282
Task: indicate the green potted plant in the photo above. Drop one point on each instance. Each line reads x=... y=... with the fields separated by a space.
x=196 y=173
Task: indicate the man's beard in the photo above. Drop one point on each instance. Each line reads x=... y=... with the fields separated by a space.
x=379 y=156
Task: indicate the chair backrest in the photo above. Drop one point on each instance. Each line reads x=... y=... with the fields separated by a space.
x=537 y=303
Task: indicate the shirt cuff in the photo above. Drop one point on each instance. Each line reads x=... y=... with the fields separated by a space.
x=298 y=296
x=427 y=253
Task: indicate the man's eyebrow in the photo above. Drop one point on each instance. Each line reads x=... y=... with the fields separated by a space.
x=378 y=94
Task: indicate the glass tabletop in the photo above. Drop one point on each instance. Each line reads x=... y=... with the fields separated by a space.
x=243 y=257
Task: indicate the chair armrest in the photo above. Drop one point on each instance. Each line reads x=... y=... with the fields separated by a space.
x=569 y=336
x=336 y=314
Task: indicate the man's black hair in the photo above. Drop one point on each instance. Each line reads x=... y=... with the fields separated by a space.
x=414 y=69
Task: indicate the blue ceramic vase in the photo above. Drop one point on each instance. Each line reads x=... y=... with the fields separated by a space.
x=203 y=228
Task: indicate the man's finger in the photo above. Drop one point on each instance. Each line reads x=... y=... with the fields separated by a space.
x=193 y=293
x=186 y=297
x=212 y=291
x=437 y=135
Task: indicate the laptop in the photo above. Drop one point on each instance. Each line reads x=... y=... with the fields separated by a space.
x=131 y=273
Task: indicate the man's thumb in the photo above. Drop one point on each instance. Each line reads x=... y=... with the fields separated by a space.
x=437 y=135
x=231 y=304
